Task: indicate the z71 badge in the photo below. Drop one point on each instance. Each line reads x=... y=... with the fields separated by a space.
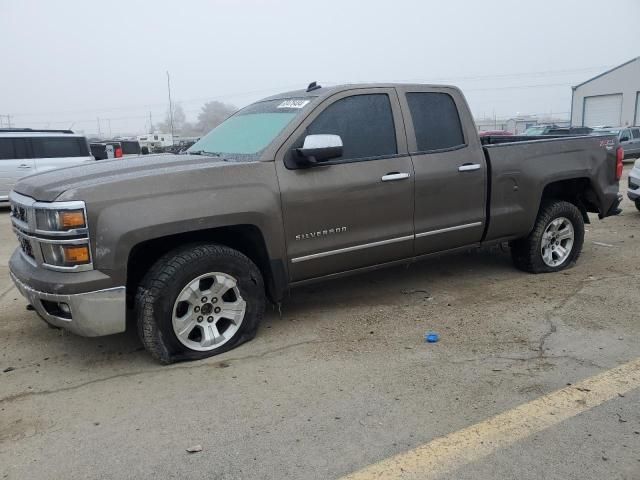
x=321 y=233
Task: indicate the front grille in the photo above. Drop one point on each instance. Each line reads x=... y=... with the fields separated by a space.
x=19 y=213
x=26 y=247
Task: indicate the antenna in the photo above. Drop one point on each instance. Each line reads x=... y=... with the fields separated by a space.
x=313 y=86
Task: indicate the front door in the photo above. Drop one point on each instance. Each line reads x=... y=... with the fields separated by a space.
x=450 y=169
x=356 y=210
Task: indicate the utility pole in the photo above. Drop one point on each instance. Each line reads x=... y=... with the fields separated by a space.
x=150 y=123
x=109 y=122
x=99 y=132
x=170 y=105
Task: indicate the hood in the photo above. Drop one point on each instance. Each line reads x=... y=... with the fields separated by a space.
x=49 y=186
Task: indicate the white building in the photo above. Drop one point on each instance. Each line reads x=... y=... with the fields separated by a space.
x=490 y=124
x=517 y=125
x=609 y=99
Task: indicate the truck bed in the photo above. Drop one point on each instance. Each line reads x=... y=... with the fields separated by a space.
x=496 y=139
x=520 y=170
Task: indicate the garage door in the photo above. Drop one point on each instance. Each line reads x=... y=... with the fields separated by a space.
x=602 y=110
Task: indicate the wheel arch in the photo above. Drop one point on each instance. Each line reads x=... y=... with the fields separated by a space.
x=247 y=239
x=579 y=191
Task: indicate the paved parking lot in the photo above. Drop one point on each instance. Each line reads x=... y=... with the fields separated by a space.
x=343 y=379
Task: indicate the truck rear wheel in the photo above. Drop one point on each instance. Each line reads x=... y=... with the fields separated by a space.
x=637 y=202
x=198 y=301
x=554 y=243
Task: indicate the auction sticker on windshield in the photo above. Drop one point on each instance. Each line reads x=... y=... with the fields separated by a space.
x=293 y=103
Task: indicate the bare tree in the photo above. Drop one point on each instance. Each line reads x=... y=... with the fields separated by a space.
x=213 y=114
x=180 y=124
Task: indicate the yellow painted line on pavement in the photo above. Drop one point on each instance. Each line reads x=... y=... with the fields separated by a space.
x=445 y=454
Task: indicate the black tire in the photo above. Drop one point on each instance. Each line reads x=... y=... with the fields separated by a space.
x=637 y=202
x=526 y=252
x=159 y=289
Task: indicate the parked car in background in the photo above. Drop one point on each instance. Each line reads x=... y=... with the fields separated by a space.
x=130 y=147
x=24 y=151
x=101 y=151
x=628 y=137
x=634 y=184
x=569 y=131
x=494 y=133
x=538 y=130
x=117 y=148
x=542 y=130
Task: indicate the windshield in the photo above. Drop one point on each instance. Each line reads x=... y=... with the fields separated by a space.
x=244 y=135
x=534 y=131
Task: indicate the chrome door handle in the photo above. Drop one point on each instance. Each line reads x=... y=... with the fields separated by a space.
x=469 y=167
x=24 y=166
x=390 y=177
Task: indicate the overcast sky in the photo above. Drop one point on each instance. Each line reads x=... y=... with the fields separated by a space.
x=67 y=62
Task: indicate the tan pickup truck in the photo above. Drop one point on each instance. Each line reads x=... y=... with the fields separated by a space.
x=299 y=187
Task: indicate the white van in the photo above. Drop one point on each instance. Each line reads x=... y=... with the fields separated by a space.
x=25 y=151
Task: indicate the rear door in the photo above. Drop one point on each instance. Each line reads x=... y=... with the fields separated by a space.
x=60 y=151
x=450 y=169
x=15 y=163
x=357 y=210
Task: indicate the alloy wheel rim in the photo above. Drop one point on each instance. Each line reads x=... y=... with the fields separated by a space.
x=208 y=311
x=557 y=242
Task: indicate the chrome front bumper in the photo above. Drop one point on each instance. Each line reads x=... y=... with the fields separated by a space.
x=90 y=314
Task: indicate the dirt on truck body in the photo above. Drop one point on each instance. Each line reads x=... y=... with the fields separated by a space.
x=298 y=187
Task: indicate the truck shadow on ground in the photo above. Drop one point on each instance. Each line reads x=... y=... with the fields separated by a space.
x=390 y=284
x=381 y=286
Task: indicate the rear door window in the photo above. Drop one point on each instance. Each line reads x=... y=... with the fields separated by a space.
x=59 y=147
x=365 y=124
x=435 y=121
x=635 y=132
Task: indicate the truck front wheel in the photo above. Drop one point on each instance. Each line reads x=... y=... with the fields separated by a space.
x=198 y=301
x=555 y=242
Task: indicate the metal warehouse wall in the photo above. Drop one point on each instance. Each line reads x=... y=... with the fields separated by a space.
x=624 y=79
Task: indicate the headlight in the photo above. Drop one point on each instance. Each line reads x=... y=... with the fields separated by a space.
x=60 y=220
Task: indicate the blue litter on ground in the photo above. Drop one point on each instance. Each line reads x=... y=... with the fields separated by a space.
x=431 y=337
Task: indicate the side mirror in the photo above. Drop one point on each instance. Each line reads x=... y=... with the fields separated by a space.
x=624 y=139
x=318 y=148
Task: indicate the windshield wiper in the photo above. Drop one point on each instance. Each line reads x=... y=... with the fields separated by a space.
x=204 y=152
x=209 y=154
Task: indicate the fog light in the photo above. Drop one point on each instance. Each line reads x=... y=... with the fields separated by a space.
x=76 y=254
x=64 y=308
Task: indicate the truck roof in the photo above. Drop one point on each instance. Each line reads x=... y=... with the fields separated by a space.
x=320 y=91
